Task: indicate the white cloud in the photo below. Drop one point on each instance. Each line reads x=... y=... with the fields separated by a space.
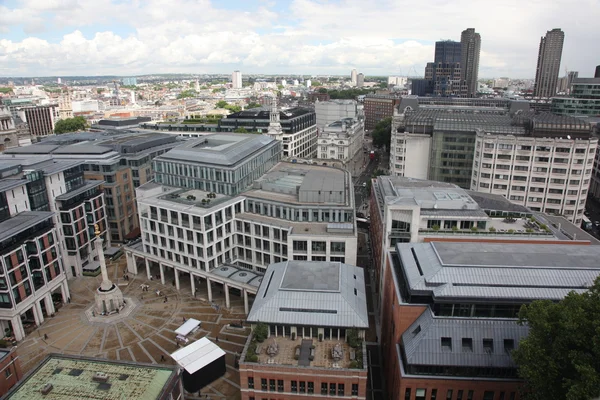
x=312 y=36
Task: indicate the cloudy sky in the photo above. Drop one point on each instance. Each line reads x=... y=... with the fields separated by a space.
x=378 y=37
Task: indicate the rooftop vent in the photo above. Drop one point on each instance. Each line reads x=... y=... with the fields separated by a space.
x=100 y=377
x=47 y=388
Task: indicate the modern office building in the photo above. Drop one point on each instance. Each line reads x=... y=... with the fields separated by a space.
x=447 y=51
x=470 y=43
x=40 y=119
x=223 y=163
x=130 y=81
x=584 y=100
x=443 y=76
x=414 y=210
x=341 y=140
x=436 y=142
x=297 y=131
x=121 y=161
x=360 y=80
x=378 y=107
x=236 y=79
x=76 y=377
x=451 y=312
x=311 y=310
x=328 y=112
x=548 y=64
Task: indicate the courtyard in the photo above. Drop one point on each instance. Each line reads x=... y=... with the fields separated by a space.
x=147 y=333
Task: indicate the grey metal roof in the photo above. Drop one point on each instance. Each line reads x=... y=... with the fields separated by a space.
x=32 y=149
x=7 y=184
x=89 y=184
x=422 y=341
x=21 y=222
x=220 y=149
x=489 y=201
x=306 y=293
x=509 y=272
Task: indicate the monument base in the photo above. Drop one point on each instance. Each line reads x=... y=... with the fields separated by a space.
x=131 y=305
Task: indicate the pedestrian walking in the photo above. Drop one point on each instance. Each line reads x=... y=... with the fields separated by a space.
x=183 y=319
x=45 y=336
x=69 y=300
x=162 y=357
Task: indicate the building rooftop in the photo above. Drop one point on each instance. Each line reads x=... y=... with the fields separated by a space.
x=71 y=377
x=303 y=184
x=21 y=222
x=264 y=113
x=322 y=294
x=496 y=202
x=239 y=274
x=225 y=149
x=507 y=272
x=461 y=342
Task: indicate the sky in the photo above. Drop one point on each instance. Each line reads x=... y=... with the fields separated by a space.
x=316 y=37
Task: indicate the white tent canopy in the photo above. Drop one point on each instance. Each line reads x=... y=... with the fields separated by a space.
x=188 y=327
x=197 y=355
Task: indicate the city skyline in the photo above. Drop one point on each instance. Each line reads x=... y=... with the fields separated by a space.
x=42 y=38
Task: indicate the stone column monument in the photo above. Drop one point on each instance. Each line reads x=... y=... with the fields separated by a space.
x=109 y=298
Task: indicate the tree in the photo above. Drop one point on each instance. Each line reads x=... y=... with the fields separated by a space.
x=70 y=125
x=560 y=358
x=240 y=130
x=252 y=105
x=261 y=331
x=187 y=93
x=322 y=90
x=382 y=133
x=222 y=104
x=5 y=90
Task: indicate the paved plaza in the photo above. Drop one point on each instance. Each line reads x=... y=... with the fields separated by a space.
x=147 y=333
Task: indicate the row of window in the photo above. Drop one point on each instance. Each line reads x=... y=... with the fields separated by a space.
x=421 y=394
x=504 y=146
x=331 y=389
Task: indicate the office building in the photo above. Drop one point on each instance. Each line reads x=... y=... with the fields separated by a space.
x=353 y=77
x=341 y=140
x=10 y=366
x=584 y=100
x=328 y=112
x=236 y=79
x=444 y=74
x=415 y=210
x=439 y=143
x=548 y=64
x=76 y=377
x=447 y=51
x=421 y=87
x=452 y=309
x=308 y=351
x=378 y=107
x=470 y=43
x=40 y=119
x=121 y=161
x=360 y=80
x=297 y=131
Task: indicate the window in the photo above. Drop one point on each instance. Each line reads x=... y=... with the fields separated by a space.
x=332 y=389
x=488 y=395
x=446 y=344
x=280 y=385
x=311 y=388
x=341 y=389
x=420 y=394
x=407 y=394
x=324 y=388
x=470 y=395
x=459 y=395
x=501 y=396
x=302 y=387
x=338 y=247
x=263 y=384
x=509 y=345
x=467 y=345
x=433 y=394
x=250 y=382
x=488 y=345
x=513 y=395
x=300 y=245
x=272 y=385
x=355 y=389
x=449 y=394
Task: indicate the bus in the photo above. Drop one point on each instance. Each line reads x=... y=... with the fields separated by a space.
x=586 y=223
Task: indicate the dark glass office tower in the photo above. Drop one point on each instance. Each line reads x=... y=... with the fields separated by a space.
x=447 y=51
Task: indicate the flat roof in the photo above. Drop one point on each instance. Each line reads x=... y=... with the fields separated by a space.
x=225 y=149
x=491 y=271
x=71 y=378
x=22 y=221
x=89 y=184
x=312 y=293
x=197 y=355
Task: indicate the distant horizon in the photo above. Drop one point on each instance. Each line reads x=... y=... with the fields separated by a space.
x=105 y=38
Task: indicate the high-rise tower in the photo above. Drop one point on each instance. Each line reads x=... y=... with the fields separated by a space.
x=353 y=77
x=548 y=65
x=447 y=51
x=470 y=43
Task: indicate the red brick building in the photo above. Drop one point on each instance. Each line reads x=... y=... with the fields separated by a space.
x=378 y=107
x=10 y=369
x=309 y=352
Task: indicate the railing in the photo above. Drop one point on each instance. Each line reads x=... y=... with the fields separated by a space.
x=470 y=232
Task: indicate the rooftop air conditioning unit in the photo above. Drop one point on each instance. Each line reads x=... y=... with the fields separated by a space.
x=100 y=377
x=47 y=388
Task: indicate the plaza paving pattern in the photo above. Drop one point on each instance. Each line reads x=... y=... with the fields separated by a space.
x=146 y=334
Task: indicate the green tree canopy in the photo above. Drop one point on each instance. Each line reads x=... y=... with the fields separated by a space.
x=240 y=130
x=252 y=105
x=560 y=358
x=222 y=104
x=5 y=90
x=187 y=93
x=233 y=108
x=382 y=133
x=322 y=90
x=70 y=125
x=348 y=93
